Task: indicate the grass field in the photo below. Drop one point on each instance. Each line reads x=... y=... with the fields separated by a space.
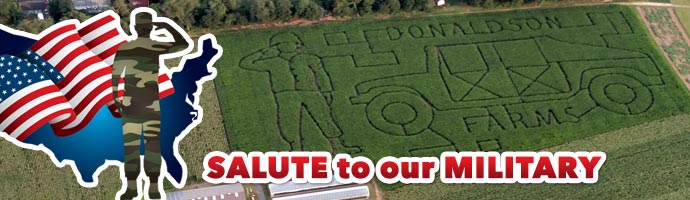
x=518 y=80
x=684 y=16
x=648 y=161
x=681 y=2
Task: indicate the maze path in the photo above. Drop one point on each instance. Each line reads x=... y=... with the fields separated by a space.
x=500 y=81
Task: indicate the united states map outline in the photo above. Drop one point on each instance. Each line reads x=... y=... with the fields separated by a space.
x=195 y=105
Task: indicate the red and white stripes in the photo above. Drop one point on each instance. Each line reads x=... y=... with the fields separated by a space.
x=31 y=108
x=165 y=86
x=87 y=78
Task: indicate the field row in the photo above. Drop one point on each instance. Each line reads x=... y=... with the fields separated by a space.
x=648 y=161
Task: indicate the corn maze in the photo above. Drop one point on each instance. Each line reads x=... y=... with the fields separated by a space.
x=519 y=80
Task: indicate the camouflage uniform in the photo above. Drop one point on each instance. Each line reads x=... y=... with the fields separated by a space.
x=300 y=85
x=139 y=106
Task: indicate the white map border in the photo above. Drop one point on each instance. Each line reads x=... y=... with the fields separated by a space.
x=185 y=56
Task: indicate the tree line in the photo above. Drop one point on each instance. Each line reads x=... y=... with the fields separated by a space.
x=218 y=13
x=215 y=13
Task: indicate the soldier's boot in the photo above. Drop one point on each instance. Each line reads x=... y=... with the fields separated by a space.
x=131 y=173
x=152 y=156
x=131 y=191
x=153 y=187
x=153 y=173
x=132 y=142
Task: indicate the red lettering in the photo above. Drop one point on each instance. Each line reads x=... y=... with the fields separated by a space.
x=342 y=165
x=493 y=172
x=318 y=167
x=360 y=170
x=389 y=170
x=237 y=168
x=256 y=170
x=524 y=165
x=426 y=169
x=273 y=167
x=299 y=162
x=544 y=168
x=509 y=167
x=566 y=167
x=453 y=168
x=589 y=165
x=217 y=170
x=480 y=166
x=410 y=169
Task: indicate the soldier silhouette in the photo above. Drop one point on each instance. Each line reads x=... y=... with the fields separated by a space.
x=138 y=61
x=300 y=85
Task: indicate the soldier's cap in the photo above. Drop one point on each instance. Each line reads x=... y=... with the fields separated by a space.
x=143 y=18
x=285 y=38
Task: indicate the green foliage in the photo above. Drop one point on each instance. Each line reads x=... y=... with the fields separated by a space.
x=34 y=25
x=345 y=7
x=388 y=6
x=74 y=14
x=261 y=10
x=10 y=12
x=156 y=7
x=366 y=7
x=180 y=11
x=60 y=8
x=213 y=13
x=327 y=4
x=283 y=10
x=122 y=8
x=232 y=5
x=494 y=3
x=308 y=9
x=407 y=5
x=488 y=3
x=424 y=5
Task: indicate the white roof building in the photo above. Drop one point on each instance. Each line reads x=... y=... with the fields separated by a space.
x=290 y=187
x=358 y=192
x=318 y=191
x=93 y=6
x=219 y=192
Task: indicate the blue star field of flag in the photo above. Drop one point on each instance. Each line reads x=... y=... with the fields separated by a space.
x=42 y=64
x=17 y=73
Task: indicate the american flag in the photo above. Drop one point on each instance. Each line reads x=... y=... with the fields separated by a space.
x=87 y=78
x=28 y=95
x=103 y=36
x=76 y=66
